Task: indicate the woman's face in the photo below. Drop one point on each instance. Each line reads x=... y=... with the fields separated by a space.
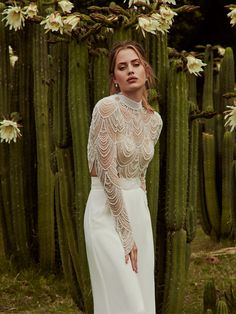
x=129 y=72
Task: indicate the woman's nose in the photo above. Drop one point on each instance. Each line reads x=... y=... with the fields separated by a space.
x=130 y=70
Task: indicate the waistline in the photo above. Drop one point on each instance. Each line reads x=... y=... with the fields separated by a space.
x=124 y=183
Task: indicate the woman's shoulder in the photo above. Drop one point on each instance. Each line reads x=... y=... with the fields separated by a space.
x=107 y=106
x=155 y=117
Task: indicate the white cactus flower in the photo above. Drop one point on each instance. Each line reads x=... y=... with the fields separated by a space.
x=132 y=2
x=147 y=24
x=71 y=21
x=53 y=22
x=15 y=17
x=166 y=13
x=230 y=117
x=194 y=65
x=169 y=1
x=232 y=16
x=31 y=10
x=13 y=57
x=9 y=131
x=66 y=6
x=221 y=51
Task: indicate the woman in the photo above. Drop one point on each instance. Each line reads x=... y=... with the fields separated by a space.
x=117 y=224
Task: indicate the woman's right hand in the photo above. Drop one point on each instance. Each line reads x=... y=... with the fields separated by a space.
x=133 y=255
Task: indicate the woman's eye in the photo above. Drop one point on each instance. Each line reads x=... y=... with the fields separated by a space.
x=121 y=68
x=137 y=64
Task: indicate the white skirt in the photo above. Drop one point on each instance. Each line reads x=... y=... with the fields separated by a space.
x=116 y=288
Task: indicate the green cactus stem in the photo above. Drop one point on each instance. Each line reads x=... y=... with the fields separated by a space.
x=66 y=259
x=221 y=307
x=209 y=296
x=79 y=111
x=100 y=74
x=207 y=98
x=175 y=272
x=226 y=78
x=209 y=168
x=177 y=148
x=153 y=174
x=45 y=178
x=5 y=209
x=193 y=177
x=227 y=210
x=59 y=86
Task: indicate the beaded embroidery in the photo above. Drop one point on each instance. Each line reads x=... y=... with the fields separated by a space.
x=121 y=144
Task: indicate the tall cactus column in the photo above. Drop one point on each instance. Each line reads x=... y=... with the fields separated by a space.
x=79 y=119
x=176 y=188
x=5 y=203
x=217 y=156
x=45 y=178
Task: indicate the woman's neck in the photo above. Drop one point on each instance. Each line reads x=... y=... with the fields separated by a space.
x=133 y=96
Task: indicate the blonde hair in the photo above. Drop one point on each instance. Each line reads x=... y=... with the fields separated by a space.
x=138 y=49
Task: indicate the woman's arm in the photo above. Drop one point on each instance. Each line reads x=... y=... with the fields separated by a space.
x=103 y=129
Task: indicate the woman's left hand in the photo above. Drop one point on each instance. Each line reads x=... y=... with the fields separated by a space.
x=133 y=255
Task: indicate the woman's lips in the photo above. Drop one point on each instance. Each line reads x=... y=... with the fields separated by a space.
x=132 y=79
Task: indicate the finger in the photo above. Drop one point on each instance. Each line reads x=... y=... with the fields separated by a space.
x=132 y=257
x=136 y=260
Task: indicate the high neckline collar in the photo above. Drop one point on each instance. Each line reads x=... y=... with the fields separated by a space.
x=130 y=103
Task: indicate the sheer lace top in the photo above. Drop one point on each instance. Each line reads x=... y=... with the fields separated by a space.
x=121 y=144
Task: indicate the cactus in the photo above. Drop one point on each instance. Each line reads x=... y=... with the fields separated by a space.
x=230 y=297
x=153 y=174
x=209 y=296
x=176 y=188
x=79 y=115
x=100 y=74
x=193 y=177
x=61 y=126
x=217 y=156
x=210 y=182
x=177 y=149
x=227 y=210
x=5 y=209
x=66 y=259
x=175 y=272
x=233 y=185
x=207 y=97
x=221 y=307
x=45 y=178
x=226 y=78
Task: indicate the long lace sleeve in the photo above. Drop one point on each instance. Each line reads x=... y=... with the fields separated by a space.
x=143 y=179
x=102 y=145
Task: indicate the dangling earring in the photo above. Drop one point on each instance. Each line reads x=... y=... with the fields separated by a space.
x=116 y=85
